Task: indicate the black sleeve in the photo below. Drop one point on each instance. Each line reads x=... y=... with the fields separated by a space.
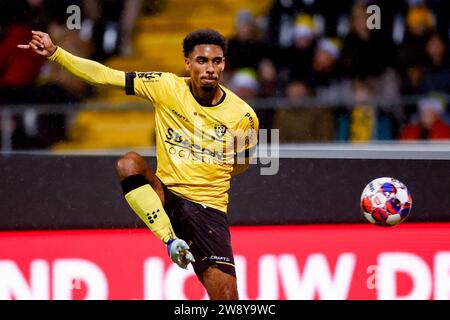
x=129 y=83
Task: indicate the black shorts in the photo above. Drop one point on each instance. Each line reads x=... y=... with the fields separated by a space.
x=205 y=230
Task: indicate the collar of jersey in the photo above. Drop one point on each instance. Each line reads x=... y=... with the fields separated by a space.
x=224 y=94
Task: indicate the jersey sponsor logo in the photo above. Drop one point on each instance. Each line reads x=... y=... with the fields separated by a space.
x=149 y=76
x=195 y=152
x=220 y=130
x=251 y=133
x=250 y=119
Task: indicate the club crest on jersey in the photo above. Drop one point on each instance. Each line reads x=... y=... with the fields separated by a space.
x=220 y=130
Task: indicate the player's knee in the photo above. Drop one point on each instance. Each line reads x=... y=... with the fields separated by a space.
x=129 y=164
x=133 y=156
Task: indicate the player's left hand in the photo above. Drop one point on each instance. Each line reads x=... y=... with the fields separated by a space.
x=179 y=252
x=40 y=43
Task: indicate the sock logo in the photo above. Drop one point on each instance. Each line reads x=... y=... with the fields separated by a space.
x=151 y=218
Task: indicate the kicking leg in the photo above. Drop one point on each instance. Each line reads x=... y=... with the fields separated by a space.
x=145 y=195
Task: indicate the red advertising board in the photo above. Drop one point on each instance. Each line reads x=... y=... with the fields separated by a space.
x=410 y=261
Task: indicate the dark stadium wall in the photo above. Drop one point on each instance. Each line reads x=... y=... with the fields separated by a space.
x=67 y=192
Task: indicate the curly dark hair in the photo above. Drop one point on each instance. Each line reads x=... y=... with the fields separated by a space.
x=203 y=36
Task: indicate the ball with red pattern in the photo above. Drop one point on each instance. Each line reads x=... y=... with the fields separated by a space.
x=386 y=202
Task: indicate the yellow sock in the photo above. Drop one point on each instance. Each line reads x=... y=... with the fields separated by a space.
x=146 y=204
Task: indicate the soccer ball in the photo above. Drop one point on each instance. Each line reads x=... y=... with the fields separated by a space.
x=386 y=202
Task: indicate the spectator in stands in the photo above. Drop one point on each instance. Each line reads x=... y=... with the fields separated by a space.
x=322 y=81
x=431 y=122
x=363 y=121
x=313 y=122
x=437 y=67
x=328 y=15
x=333 y=15
x=298 y=57
x=57 y=86
x=441 y=10
x=245 y=49
x=322 y=77
x=363 y=54
x=281 y=19
x=325 y=75
x=244 y=83
x=412 y=84
x=110 y=25
x=268 y=79
x=392 y=20
x=248 y=85
x=18 y=68
x=420 y=23
x=26 y=78
x=412 y=58
x=362 y=115
x=250 y=66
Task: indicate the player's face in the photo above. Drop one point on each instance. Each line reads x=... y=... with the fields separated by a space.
x=205 y=65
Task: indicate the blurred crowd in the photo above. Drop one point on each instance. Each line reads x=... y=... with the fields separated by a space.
x=349 y=61
x=350 y=68
x=106 y=28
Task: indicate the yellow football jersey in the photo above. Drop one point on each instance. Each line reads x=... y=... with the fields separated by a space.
x=195 y=144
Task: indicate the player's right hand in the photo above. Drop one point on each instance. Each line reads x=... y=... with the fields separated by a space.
x=178 y=251
x=40 y=43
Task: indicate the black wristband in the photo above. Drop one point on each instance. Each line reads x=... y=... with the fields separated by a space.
x=56 y=48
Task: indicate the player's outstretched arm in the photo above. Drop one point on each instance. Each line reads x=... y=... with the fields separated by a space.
x=88 y=70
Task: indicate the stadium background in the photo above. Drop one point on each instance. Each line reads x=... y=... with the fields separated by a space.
x=344 y=103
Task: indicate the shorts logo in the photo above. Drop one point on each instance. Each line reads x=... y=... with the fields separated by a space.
x=220 y=130
x=223 y=259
